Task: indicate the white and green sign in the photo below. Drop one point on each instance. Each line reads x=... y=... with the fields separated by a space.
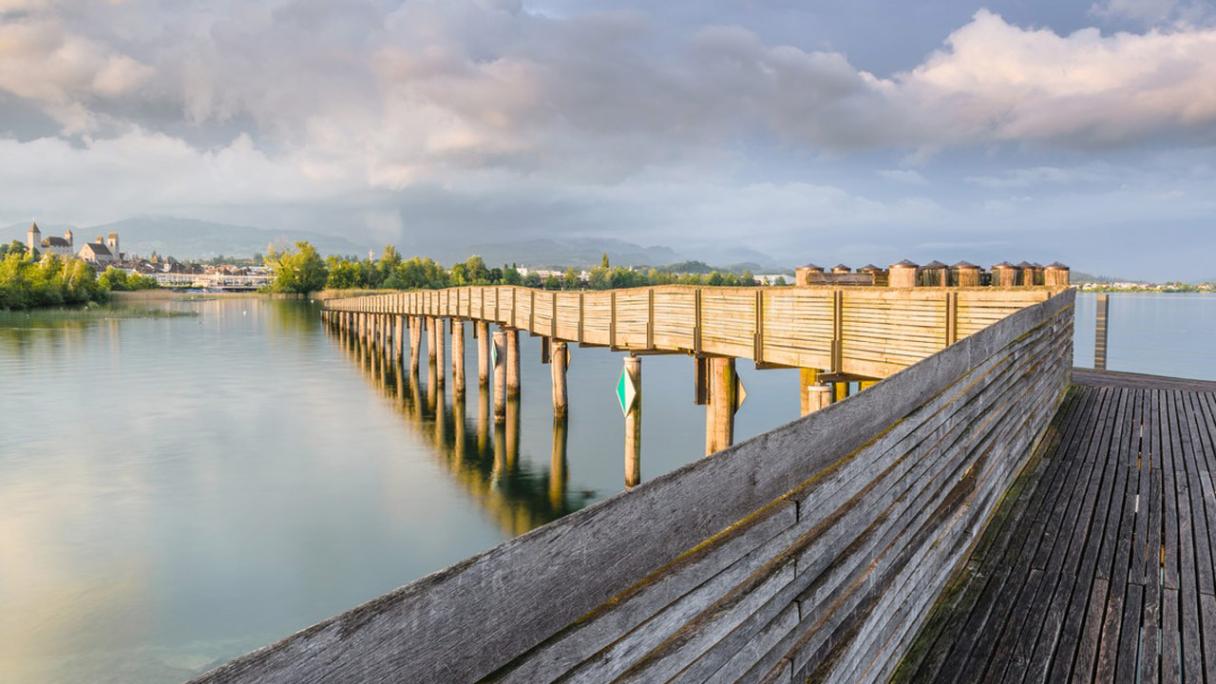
x=626 y=392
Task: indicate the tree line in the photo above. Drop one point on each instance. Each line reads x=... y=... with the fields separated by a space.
x=303 y=270
x=29 y=281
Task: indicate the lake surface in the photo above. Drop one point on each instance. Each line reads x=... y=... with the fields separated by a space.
x=177 y=491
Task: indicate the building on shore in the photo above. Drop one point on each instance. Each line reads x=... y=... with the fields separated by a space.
x=98 y=252
x=59 y=246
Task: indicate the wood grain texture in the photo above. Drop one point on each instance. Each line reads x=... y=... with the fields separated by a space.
x=815 y=549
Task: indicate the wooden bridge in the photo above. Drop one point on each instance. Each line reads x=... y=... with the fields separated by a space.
x=974 y=515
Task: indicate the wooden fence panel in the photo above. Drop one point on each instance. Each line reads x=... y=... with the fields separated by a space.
x=675 y=318
x=798 y=326
x=597 y=317
x=728 y=321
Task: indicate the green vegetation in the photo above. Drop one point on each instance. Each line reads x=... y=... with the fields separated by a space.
x=118 y=280
x=49 y=281
x=301 y=271
x=391 y=271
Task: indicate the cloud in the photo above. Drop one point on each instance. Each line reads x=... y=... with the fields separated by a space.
x=907 y=176
x=1154 y=12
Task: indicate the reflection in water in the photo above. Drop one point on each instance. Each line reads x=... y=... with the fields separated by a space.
x=487 y=466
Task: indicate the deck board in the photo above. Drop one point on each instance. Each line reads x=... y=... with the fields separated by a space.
x=1100 y=565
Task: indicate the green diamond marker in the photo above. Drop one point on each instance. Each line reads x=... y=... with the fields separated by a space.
x=493 y=354
x=740 y=393
x=626 y=393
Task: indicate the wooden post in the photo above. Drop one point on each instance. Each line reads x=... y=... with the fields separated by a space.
x=482 y=330
x=819 y=397
x=500 y=378
x=808 y=379
x=633 y=425
x=399 y=337
x=430 y=340
x=441 y=340
x=512 y=336
x=558 y=362
x=457 y=356
x=415 y=344
x=1100 y=323
x=720 y=413
x=841 y=391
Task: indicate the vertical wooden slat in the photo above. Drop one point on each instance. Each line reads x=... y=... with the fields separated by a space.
x=1100 y=318
x=650 y=318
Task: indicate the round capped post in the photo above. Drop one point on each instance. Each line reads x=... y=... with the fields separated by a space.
x=902 y=274
x=966 y=274
x=840 y=269
x=1056 y=275
x=808 y=274
x=934 y=274
x=1005 y=274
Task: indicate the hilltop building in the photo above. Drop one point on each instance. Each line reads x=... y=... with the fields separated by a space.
x=60 y=246
x=98 y=252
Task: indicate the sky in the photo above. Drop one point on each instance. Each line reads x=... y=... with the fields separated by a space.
x=855 y=131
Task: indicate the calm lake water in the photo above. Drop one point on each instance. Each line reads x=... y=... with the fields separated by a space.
x=177 y=491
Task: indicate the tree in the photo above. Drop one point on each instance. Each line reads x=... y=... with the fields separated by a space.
x=570 y=279
x=302 y=271
x=604 y=262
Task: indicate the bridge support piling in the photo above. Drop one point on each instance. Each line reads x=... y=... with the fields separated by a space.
x=399 y=338
x=430 y=340
x=559 y=361
x=481 y=330
x=512 y=362
x=807 y=379
x=840 y=391
x=415 y=344
x=720 y=412
x=440 y=351
x=1100 y=318
x=457 y=356
x=633 y=425
x=500 y=377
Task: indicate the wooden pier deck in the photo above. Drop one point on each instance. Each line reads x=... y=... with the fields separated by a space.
x=1098 y=564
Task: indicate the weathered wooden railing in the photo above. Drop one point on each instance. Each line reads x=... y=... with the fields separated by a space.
x=813 y=550
x=869 y=332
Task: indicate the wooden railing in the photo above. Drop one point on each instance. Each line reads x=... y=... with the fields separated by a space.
x=868 y=332
x=812 y=551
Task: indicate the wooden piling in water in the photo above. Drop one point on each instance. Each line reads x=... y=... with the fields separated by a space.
x=399 y=337
x=559 y=361
x=1100 y=325
x=415 y=344
x=720 y=412
x=500 y=377
x=808 y=378
x=430 y=339
x=557 y=466
x=440 y=350
x=457 y=356
x=633 y=425
x=512 y=336
x=481 y=330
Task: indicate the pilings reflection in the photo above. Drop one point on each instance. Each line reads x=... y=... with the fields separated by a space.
x=481 y=453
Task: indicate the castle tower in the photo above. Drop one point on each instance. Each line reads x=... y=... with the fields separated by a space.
x=112 y=244
x=67 y=235
x=33 y=238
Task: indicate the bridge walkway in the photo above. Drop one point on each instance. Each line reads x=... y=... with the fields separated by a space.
x=1098 y=564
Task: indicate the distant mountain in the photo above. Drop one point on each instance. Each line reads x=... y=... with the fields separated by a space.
x=191 y=239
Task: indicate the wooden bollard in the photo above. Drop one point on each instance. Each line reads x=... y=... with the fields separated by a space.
x=902 y=274
x=966 y=274
x=457 y=356
x=481 y=330
x=512 y=336
x=415 y=344
x=1101 y=316
x=558 y=363
x=720 y=412
x=500 y=377
x=1056 y=275
x=1006 y=274
x=633 y=424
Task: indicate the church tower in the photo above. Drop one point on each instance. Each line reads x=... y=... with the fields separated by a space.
x=33 y=238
